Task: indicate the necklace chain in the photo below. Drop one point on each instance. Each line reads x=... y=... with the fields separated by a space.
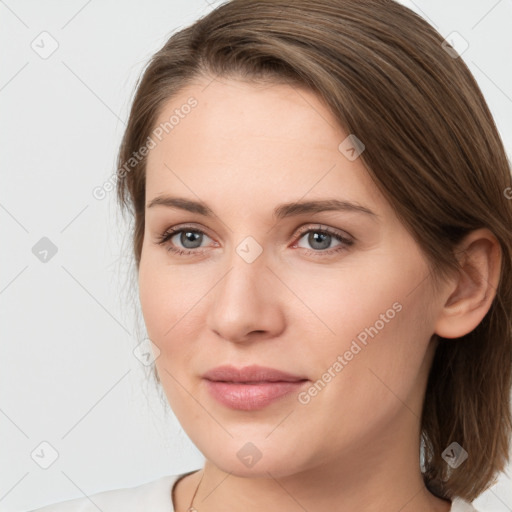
x=191 y=508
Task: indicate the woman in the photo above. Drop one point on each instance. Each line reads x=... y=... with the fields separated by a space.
x=321 y=205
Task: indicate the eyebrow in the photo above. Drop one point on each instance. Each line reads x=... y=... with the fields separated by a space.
x=280 y=212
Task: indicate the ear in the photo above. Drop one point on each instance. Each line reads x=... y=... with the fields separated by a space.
x=469 y=296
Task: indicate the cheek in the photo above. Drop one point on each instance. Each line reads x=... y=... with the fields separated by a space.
x=375 y=316
x=172 y=301
x=381 y=332
x=152 y=299
x=334 y=305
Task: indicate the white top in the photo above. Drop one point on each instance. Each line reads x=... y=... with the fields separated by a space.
x=154 y=496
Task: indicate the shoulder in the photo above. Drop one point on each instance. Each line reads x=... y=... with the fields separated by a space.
x=460 y=505
x=154 y=495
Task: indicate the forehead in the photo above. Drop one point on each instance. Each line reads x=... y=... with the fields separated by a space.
x=262 y=140
x=251 y=114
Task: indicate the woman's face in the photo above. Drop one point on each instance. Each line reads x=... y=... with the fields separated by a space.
x=262 y=283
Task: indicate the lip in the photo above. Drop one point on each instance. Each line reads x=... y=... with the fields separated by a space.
x=252 y=387
x=250 y=374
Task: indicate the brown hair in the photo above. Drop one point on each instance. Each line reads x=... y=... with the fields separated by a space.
x=432 y=148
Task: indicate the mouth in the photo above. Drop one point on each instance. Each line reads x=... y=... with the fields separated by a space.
x=252 y=387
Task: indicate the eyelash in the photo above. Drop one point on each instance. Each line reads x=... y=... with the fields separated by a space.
x=169 y=233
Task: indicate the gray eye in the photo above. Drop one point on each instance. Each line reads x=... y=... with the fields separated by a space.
x=318 y=240
x=190 y=239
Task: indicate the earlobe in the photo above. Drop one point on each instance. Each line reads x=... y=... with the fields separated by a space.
x=470 y=296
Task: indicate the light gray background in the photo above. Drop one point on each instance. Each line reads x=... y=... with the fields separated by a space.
x=68 y=375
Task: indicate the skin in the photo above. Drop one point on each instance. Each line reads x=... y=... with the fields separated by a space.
x=243 y=150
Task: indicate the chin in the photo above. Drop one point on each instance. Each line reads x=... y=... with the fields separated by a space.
x=246 y=459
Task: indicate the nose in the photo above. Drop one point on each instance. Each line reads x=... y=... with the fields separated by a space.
x=246 y=303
